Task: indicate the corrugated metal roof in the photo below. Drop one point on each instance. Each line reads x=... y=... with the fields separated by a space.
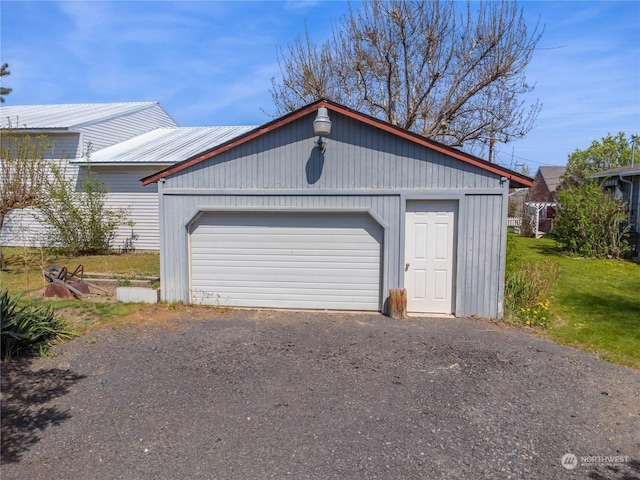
x=166 y=145
x=65 y=116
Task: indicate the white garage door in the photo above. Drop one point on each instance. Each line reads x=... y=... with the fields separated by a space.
x=287 y=260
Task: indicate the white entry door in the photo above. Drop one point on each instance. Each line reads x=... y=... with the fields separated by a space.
x=429 y=256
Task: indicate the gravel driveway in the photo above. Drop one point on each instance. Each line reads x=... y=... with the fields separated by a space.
x=264 y=394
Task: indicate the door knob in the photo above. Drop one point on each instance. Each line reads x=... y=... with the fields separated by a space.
x=406 y=265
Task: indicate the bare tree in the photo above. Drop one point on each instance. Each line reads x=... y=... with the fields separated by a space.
x=425 y=66
x=23 y=174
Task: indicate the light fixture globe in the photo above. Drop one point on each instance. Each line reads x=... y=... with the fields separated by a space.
x=322 y=124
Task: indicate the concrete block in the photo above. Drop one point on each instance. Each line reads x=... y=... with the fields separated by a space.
x=137 y=295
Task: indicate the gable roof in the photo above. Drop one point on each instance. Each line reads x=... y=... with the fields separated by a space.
x=164 y=145
x=516 y=179
x=65 y=116
x=626 y=171
x=551 y=177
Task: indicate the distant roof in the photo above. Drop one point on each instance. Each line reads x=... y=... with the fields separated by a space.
x=165 y=145
x=626 y=171
x=551 y=176
x=65 y=116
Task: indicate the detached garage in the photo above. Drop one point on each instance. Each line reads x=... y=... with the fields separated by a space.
x=281 y=217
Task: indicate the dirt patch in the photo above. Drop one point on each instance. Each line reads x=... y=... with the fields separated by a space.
x=204 y=393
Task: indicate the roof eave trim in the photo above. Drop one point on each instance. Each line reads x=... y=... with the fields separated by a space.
x=121 y=164
x=616 y=174
x=38 y=129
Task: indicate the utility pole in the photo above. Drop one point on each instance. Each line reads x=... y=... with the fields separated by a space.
x=492 y=142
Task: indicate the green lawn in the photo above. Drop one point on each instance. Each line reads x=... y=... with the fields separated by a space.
x=24 y=266
x=596 y=303
x=24 y=275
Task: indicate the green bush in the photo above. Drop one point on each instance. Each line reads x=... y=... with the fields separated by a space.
x=78 y=220
x=527 y=291
x=27 y=328
x=589 y=222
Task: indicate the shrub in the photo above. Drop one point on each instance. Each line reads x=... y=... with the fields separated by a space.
x=78 y=221
x=527 y=291
x=528 y=228
x=28 y=328
x=589 y=222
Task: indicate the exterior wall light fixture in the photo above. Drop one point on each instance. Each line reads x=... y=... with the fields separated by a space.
x=322 y=127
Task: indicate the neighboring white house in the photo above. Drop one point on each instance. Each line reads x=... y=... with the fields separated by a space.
x=128 y=141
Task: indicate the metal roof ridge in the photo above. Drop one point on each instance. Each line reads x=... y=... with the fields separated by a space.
x=75 y=104
x=139 y=107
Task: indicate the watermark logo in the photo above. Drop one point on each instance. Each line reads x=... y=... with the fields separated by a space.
x=569 y=461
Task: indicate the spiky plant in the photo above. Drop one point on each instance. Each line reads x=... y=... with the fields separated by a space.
x=27 y=328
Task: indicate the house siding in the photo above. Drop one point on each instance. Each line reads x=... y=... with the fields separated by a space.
x=480 y=271
x=634 y=204
x=115 y=130
x=63 y=146
x=21 y=228
x=377 y=161
x=125 y=192
x=141 y=203
x=363 y=169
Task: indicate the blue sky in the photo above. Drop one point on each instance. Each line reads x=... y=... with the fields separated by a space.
x=211 y=62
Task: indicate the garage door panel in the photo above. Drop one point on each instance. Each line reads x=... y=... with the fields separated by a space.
x=362 y=279
x=297 y=255
x=280 y=242
x=287 y=260
x=272 y=266
x=271 y=289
